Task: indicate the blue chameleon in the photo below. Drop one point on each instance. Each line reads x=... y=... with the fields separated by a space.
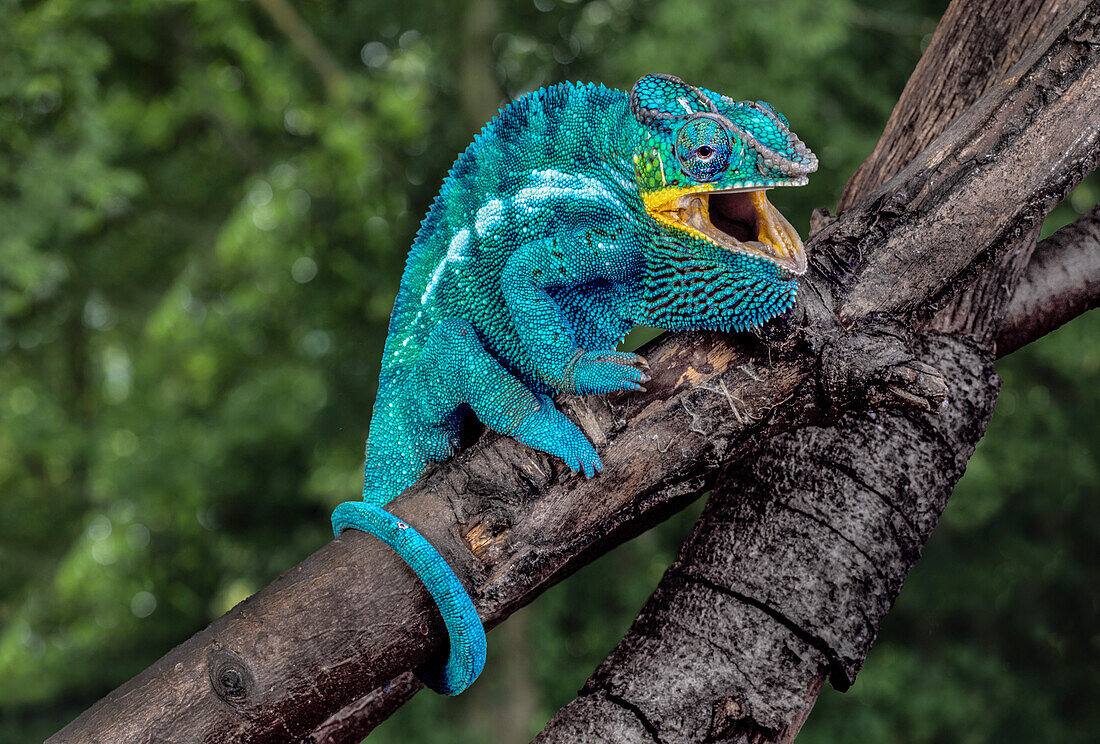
x=576 y=214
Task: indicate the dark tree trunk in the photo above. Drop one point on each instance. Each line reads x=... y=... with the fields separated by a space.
x=796 y=559
x=304 y=651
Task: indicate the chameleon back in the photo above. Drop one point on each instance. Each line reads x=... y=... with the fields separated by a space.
x=548 y=144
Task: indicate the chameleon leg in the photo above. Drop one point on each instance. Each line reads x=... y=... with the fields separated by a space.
x=570 y=260
x=469 y=374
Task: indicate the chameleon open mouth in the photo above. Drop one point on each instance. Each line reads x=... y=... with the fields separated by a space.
x=741 y=220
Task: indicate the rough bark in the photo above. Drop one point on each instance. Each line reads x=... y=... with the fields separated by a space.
x=512 y=523
x=930 y=205
x=796 y=559
x=973 y=46
x=353 y=722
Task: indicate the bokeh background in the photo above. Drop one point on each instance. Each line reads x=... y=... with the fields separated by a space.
x=204 y=211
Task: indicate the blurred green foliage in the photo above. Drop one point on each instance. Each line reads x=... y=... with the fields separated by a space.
x=204 y=212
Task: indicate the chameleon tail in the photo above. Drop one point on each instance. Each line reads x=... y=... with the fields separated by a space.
x=467 y=635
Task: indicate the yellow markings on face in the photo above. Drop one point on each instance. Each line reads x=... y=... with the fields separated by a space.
x=664 y=206
x=649 y=170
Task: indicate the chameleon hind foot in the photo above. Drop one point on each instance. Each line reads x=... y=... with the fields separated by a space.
x=466 y=656
x=549 y=430
x=465 y=373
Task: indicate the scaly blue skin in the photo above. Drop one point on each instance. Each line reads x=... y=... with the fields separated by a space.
x=576 y=214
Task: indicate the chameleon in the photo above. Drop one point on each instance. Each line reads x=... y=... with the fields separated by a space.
x=576 y=214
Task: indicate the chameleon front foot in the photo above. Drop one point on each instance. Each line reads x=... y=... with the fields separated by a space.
x=466 y=656
x=598 y=372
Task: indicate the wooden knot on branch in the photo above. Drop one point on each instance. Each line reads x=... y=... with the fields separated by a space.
x=874 y=366
x=728 y=713
x=230 y=677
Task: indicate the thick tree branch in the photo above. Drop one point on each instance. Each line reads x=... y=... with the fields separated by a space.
x=930 y=205
x=973 y=46
x=511 y=522
x=790 y=569
x=1061 y=282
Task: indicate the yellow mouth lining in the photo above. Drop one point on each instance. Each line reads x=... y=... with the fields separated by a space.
x=774 y=240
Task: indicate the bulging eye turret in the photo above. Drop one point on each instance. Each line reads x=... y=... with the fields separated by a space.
x=705 y=147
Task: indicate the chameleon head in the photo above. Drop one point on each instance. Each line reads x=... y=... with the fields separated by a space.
x=705 y=162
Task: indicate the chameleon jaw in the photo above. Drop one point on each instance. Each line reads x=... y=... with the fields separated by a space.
x=741 y=220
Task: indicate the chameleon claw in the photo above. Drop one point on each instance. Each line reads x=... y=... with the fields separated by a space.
x=592 y=468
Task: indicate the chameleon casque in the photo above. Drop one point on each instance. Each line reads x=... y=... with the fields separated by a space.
x=576 y=214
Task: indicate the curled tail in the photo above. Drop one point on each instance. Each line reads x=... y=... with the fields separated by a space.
x=467 y=635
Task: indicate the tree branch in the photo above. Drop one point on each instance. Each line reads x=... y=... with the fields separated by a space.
x=929 y=206
x=796 y=559
x=1061 y=282
x=511 y=522
x=974 y=45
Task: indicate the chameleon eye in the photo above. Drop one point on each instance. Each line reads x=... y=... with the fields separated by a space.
x=704 y=147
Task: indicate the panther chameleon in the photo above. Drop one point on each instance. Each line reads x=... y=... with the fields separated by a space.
x=576 y=214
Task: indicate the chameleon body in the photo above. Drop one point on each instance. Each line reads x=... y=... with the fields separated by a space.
x=576 y=214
